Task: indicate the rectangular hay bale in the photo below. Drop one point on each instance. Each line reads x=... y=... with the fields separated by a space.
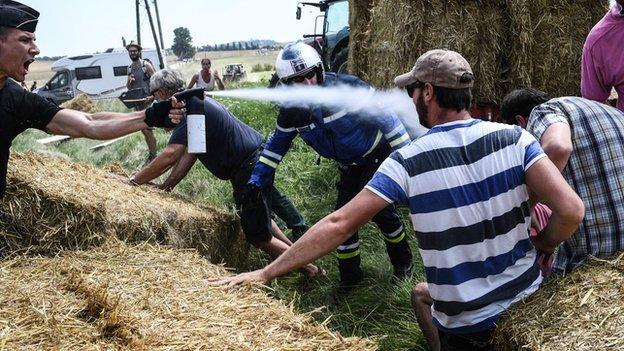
x=52 y=203
x=359 y=17
x=546 y=42
x=579 y=311
x=400 y=31
x=145 y=297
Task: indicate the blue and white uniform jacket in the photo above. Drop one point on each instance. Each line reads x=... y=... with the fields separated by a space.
x=333 y=133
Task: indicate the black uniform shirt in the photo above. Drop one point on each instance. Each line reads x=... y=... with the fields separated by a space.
x=19 y=110
x=229 y=142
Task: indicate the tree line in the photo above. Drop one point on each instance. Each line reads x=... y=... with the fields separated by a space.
x=183 y=44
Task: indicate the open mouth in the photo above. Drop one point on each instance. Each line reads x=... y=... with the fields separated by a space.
x=27 y=64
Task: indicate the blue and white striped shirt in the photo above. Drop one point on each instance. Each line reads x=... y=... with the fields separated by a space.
x=464 y=183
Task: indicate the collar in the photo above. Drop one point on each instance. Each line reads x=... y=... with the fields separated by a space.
x=618 y=10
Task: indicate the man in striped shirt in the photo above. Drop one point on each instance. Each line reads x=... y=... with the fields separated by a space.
x=585 y=140
x=466 y=183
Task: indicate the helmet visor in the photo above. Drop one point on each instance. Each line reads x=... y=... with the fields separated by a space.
x=299 y=78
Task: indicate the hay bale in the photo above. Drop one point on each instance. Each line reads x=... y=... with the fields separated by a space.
x=580 y=311
x=119 y=297
x=400 y=31
x=52 y=203
x=475 y=29
x=82 y=102
x=395 y=40
x=546 y=43
x=359 y=17
x=509 y=43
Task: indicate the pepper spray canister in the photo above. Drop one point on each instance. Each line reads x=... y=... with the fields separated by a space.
x=196 y=126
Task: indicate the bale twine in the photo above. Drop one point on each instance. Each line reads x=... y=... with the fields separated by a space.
x=146 y=297
x=546 y=42
x=52 y=203
x=400 y=31
x=80 y=103
x=580 y=311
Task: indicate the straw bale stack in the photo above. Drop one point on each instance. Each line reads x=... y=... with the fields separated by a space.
x=509 y=43
x=82 y=103
x=358 y=42
x=395 y=38
x=580 y=311
x=547 y=39
x=123 y=297
x=52 y=203
x=400 y=31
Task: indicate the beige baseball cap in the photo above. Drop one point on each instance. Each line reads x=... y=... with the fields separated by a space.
x=442 y=68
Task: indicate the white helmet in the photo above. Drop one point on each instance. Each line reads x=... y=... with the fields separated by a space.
x=297 y=59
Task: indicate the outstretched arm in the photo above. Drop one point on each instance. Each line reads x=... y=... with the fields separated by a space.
x=321 y=239
x=100 y=126
x=179 y=171
x=167 y=158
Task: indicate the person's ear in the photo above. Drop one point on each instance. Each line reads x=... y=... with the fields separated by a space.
x=521 y=121
x=427 y=91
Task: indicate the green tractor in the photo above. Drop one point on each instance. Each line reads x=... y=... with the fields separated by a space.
x=332 y=43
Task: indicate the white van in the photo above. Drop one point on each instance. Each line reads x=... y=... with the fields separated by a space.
x=100 y=76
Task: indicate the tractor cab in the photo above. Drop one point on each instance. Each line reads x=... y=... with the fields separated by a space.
x=332 y=42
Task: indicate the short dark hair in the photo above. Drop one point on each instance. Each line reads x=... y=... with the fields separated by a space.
x=4 y=31
x=521 y=102
x=456 y=99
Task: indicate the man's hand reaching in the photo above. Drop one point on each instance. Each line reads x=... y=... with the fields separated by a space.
x=257 y=276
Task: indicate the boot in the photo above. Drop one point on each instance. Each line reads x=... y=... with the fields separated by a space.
x=401 y=258
x=351 y=274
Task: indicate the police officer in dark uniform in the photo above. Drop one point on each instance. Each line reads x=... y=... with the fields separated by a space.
x=358 y=143
x=21 y=109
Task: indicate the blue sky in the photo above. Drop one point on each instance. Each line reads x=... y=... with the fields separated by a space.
x=71 y=27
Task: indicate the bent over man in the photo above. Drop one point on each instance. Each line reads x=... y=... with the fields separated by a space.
x=357 y=142
x=232 y=149
x=585 y=139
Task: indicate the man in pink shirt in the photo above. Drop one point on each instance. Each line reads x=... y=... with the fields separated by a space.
x=603 y=58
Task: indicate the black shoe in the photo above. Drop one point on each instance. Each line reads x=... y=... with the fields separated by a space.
x=403 y=273
x=347 y=285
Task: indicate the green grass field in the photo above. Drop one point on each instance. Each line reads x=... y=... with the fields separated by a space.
x=380 y=308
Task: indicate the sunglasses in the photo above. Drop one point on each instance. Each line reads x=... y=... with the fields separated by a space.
x=300 y=79
x=410 y=88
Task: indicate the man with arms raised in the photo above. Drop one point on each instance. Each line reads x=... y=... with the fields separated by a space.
x=21 y=109
x=466 y=183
